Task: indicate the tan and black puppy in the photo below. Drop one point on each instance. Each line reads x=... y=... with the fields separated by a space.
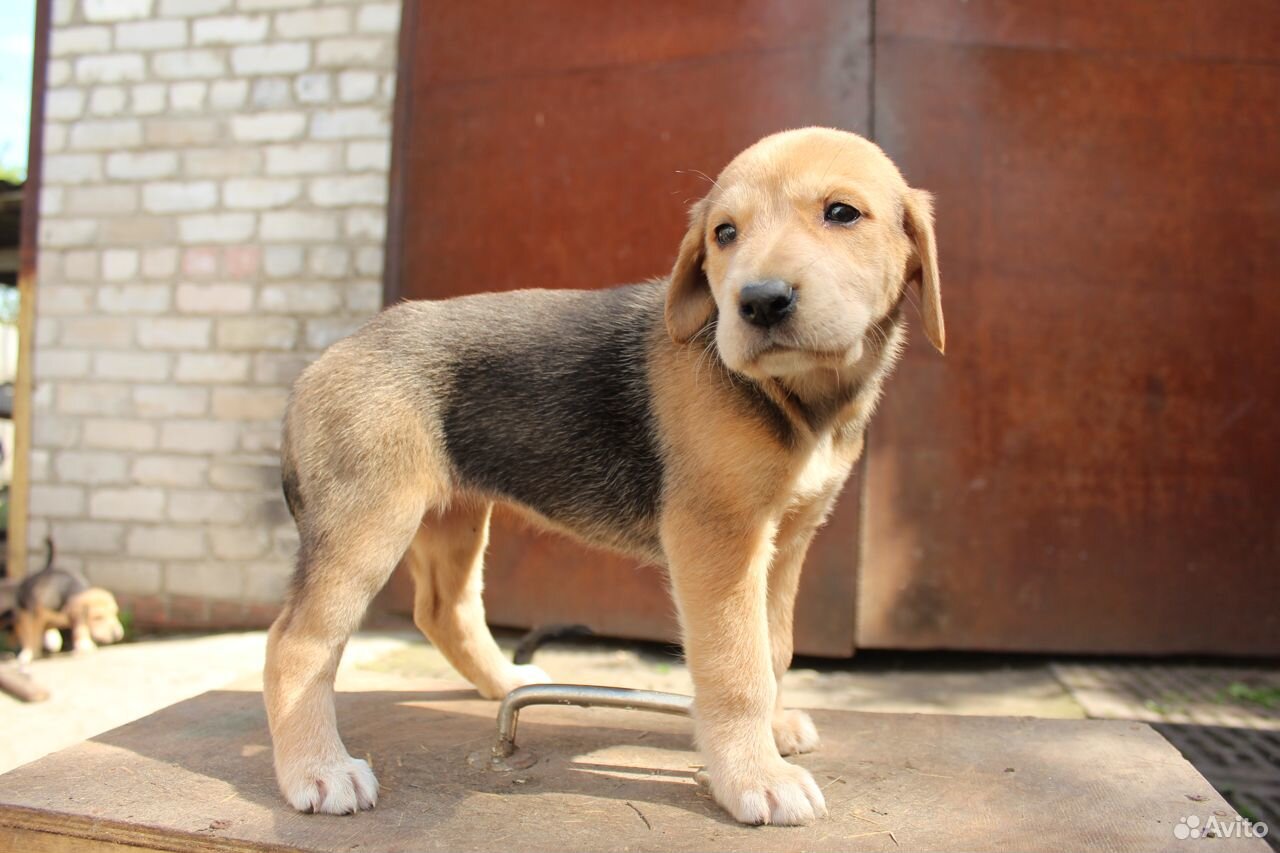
x=706 y=423
x=53 y=599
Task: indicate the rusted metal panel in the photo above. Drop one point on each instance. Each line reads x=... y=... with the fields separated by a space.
x=558 y=144
x=1093 y=466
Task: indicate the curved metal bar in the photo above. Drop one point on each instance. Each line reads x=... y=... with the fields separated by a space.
x=584 y=696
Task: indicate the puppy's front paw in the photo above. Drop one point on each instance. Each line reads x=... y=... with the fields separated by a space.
x=512 y=677
x=342 y=786
x=794 y=732
x=781 y=794
x=53 y=641
x=84 y=646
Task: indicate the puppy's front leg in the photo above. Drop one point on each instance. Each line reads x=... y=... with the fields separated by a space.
x=719 y=572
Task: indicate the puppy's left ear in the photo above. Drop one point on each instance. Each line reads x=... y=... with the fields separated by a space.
x=689 y=301
x=917 y=221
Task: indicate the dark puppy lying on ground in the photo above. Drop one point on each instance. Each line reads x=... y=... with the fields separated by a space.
x=53 y=599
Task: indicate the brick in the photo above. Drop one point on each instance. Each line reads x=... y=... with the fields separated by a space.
x=204 y=580
x=67 y=232
x=212 y=368
x=141 y=165
x=366 y=223
x=179 y=197
x=228 y=94
x=64 y=41
x=166 y=542
x=115 y=10
x=256 y=333
x=193 y=8
x=142 y=228
x=110 y=68
x=110 y=198
x=183 y=64
x=132 y=577
x=199 y=436
x=55 y=137
x=232 y=29
x=238 y=543
x=38 y=465
x=323 y=332
x=299 y=298
x=90 y=468
x=282 y=261
x=64 y=104
x=98 y=332
x=56 y=501
x=313 y=87
x=274 y=58
x=242 y=261
x=159 y=263
x=119 y=434
x=63 y=12
x=183 y=132
x=354 y=86
x=297 y=226
x=369 y=156
x=51 y=199
x=61 y=364
x=266 y=581
x=329 y=261
x=170 y=471
x=255 y=5
x=93 y=398
x=259 y=193
x=63 y=299
x=272 y=93
x=245 y=477
x=170 y=400
x=105 y=134
x=72 y=169
x=313 y=23
x=221 y=162
x=189 y=96
x=53 y=431
x=88 y=537
x=135 y=503
x=174 y=333
x=134 y=298
x=347 y=190
x=149 y=98
x=379 y=18
x=369 y=261
x=207 y=506
x=270 y=368
x=219 y=298
x=268 y=127
x=216 y=228
x=201 y=262
x=345 y=52
x=58 y=72
x=136 y=366
x=350 y=122
x=249 y=404
x=304 y=158
x=150 y=35
x=364 y=297
x=108 y=100
x=119 y=264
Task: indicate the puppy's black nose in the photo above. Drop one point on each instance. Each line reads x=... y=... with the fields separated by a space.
x=767 y=303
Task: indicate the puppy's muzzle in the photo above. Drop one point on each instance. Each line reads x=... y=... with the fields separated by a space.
x=767 y=303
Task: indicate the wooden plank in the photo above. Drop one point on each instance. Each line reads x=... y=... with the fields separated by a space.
x=197 y=777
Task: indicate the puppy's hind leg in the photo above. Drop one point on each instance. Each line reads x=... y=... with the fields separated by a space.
x=340 y=569
x=447 y=562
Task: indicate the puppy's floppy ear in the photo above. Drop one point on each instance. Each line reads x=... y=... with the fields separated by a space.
x=917 y=221
x=689 y=301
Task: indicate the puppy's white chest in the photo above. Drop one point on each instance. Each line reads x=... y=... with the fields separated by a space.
x=822 y=466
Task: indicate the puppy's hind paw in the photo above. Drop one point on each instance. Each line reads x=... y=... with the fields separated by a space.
x=345 y=786
x=794 y=733
x=782 y=795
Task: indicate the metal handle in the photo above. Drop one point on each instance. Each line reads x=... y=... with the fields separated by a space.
x=584 y=696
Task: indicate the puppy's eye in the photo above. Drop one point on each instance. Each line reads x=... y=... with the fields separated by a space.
x=726 y=234
x=842 y=213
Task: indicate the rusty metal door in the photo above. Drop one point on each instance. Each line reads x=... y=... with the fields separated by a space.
x=557 y=144
x=1094 y=466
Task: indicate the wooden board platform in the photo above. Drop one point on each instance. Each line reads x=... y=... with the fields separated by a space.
x=197 y=777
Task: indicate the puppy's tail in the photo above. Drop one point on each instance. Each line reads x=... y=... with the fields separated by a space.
x=48 y=560
x=539 y=637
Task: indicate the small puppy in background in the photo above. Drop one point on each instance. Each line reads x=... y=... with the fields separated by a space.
x=53 y=599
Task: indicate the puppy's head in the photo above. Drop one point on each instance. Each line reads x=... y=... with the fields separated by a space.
x=804 y=243
x=96 y=609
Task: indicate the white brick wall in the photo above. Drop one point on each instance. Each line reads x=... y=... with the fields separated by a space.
x=215 y=184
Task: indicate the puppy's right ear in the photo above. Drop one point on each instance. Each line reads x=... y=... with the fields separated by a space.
x=689 y=301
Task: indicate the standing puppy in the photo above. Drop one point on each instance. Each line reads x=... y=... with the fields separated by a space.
x=53 y=599
x=706 y=423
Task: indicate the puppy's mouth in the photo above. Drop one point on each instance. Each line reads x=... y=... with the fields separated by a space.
x=777 y=358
